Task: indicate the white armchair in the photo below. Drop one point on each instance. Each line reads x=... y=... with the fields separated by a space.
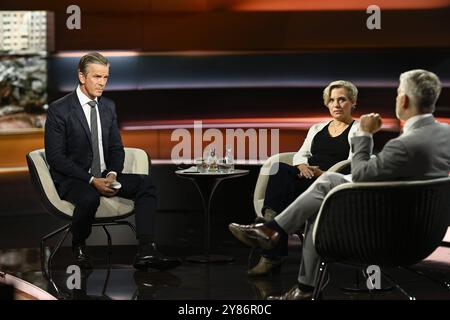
x=112 y=211
x=263 y=178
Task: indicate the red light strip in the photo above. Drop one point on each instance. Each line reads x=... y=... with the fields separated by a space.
x=334 y=5
x=389 y=124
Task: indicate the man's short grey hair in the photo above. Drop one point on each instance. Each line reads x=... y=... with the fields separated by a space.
x=352 y=91
x=422 y=87
x=91 y=57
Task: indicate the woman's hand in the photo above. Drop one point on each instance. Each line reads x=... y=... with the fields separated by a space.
x=308 y=171
x=305 y=171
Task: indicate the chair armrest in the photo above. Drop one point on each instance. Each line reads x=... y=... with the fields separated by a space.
x=263 y=178
x=339 y=166
x=136 y=161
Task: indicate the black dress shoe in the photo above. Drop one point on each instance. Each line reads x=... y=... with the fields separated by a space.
x=255 y=235
x=154 y=260
x=81 y=257
x=294 y=294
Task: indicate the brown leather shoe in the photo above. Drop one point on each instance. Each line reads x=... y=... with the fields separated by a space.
x=294 y=294
x=255 y=235
x=266 y=266
x=297 y=294
x=262 y=287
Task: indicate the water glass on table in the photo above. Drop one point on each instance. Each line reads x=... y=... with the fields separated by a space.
x=224 y=166
x=201 y=165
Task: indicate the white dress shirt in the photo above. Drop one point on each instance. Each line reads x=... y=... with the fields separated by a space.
x=413 y=120
x=87 y=112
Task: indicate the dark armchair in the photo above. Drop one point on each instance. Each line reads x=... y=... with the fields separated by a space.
x=388 y=224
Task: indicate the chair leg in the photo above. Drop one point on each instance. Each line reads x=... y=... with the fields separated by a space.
x=132 y=227
x=58 y=245
x=320 y=280
x=47 y=271
x=105 y=284
x=410 y=296
x=43 y=259
x=60 y=293
x=44 y=264
x=108 y=235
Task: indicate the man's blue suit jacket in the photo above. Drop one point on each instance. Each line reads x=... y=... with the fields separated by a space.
x=68 y=146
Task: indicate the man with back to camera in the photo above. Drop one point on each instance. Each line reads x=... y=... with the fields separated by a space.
x=414 y=155
x=84 y=150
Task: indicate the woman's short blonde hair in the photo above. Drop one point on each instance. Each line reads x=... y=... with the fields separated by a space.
x=352 y=91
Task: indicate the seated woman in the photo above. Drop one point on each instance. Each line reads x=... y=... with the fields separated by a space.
x=326 y=144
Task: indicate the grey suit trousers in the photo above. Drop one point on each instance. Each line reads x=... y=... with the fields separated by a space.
x=305 y=209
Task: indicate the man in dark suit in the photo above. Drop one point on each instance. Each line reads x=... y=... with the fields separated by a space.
x=84 y=150
x=421 y=152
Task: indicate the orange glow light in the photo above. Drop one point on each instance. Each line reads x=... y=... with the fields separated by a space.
x=334 y=5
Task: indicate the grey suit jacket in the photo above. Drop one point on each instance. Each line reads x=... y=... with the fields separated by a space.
x=422 y=153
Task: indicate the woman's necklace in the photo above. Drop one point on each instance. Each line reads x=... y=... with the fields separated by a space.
x=336 y=129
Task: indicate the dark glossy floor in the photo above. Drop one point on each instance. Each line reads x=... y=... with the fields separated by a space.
x=212 y=281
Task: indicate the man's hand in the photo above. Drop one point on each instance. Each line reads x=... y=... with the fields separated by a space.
x=370 y=123
x=110 y=178
x=308 y=171
x=102 y=185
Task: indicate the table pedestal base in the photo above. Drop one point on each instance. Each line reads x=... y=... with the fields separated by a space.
x=206 y=184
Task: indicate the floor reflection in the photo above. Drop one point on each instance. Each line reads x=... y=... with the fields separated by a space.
x=120 y=281
x=149 y=283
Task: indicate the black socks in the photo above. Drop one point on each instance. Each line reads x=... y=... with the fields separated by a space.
x=275 y=226
x=146 y=245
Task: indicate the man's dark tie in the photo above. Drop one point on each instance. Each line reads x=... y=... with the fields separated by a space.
x=95 y=167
